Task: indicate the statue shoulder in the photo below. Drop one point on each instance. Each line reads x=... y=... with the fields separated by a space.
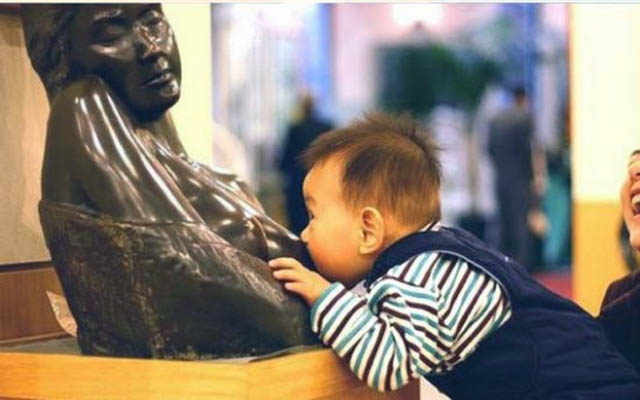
x=84 y=106
x=83 y=89
x=71 y=123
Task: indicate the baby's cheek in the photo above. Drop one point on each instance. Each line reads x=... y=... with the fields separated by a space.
x=317 y=260
x=323 y=264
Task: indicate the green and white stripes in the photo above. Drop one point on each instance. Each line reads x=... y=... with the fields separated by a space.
x=423 y=316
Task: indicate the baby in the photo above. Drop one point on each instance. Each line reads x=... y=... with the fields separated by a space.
x=440 y=303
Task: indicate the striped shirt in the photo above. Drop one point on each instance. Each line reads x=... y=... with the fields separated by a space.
x=423 y=316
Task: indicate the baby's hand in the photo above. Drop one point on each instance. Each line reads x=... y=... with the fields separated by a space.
x=298 y=279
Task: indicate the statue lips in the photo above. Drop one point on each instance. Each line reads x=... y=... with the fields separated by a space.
x=160 y=79
x=163 y=82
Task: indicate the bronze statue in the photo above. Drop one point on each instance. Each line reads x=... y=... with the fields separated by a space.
x=159 y=256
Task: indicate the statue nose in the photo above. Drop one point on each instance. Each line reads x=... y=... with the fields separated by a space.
x=146 y=44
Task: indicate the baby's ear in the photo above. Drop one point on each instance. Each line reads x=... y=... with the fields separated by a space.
x=371 y=231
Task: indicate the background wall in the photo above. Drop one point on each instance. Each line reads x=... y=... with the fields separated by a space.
x=24 y=308
x=605 y=117
x=192 y=114
x=22 y=129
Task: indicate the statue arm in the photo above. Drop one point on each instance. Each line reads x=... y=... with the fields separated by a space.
x=117 y=174
x=110 y=168
x=233 y=183
x=166 y=133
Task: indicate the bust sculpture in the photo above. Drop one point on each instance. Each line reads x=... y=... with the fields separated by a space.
x=159 y=256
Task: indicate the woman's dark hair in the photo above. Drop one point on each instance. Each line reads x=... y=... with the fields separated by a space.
x=45 y=28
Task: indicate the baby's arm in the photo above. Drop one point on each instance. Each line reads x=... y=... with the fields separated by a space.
x=386 y=339
x=308 y=284
x=403 y=330
x=344 y=321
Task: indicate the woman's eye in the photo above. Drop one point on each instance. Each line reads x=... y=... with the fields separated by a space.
x=110 y=34
x=153 y=19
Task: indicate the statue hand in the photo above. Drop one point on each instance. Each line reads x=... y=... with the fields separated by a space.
x=298 y=278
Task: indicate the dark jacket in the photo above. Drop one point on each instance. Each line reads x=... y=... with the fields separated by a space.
x=549 y=349
x=620 y=316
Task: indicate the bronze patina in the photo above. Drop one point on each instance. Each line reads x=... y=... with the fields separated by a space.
x=159 y=256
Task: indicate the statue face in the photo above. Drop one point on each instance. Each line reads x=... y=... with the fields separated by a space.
x=133 y=49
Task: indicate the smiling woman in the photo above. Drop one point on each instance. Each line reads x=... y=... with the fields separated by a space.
x=630 y=199
x=620 y=311
x=159 y=256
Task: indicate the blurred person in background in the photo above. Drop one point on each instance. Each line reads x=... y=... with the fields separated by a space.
x=299 y=135
x=494 y=99
x=557 y=200
x=518 y=189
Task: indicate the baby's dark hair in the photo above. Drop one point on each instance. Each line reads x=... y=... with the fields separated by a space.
x=388 y=161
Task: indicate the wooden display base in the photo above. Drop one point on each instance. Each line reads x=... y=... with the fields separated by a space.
x=315 y=374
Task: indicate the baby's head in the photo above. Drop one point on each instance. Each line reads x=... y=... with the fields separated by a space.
x=369 y=184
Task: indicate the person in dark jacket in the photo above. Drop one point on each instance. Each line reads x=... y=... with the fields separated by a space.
x=511 y=152
x=299 y=136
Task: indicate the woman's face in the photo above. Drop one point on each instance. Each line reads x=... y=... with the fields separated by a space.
x=132 y=48
x=630 y=199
